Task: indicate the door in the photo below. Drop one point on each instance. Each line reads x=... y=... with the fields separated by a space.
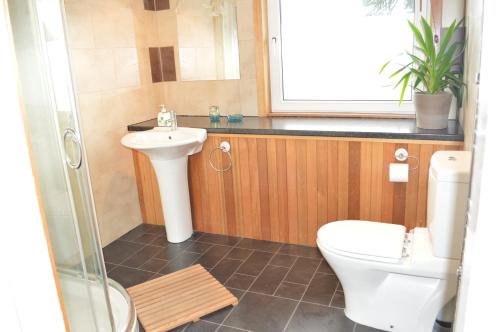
x=59 y=161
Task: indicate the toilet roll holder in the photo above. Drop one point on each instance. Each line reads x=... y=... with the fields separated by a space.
x=401 y=154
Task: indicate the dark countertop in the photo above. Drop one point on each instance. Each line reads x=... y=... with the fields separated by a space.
x=304 y=126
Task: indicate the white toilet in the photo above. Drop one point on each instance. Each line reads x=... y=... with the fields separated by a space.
x=398 y=281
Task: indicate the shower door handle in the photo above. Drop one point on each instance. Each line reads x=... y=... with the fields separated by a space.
x=75 y=161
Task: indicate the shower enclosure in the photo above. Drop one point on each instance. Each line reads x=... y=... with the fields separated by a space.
x=91 y=301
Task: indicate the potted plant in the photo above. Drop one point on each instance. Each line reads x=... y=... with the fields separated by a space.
x=434 y=72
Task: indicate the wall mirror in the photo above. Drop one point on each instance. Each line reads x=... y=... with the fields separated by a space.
x=207 y=34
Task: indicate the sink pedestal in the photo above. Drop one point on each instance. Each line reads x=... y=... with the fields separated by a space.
x=168 y=151
x=174 y=191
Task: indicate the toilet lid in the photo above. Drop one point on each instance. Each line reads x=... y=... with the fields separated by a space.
x=364 y=238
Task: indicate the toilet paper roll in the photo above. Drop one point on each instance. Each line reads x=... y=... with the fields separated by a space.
x=398 y=172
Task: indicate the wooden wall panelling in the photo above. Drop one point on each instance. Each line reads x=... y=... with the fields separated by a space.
x=284 y=188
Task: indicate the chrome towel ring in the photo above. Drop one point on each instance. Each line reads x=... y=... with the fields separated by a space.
x=225 y=147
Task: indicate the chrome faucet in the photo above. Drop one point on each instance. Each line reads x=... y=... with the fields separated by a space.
x=172 y=121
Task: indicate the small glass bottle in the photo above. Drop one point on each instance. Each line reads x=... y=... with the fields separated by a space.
x=213 y=113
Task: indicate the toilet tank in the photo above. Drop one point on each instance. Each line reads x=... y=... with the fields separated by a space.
x=448 y=191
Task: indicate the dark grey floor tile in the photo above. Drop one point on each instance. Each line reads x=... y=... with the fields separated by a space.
x=258 y=312
x=185 y=259
x=160 y=240
x=155 y=276
x=303 y=270
x=228 y=329
x=218 y=239
x=317 y=318
x=239 y=253
x=321 y=289
x=290 y=290
x=283 y=260
x=133 y=234
x=255 y=263
x=213 y=255
x=259 y=245
x=219 y=316
x=171 y=251
x=338 y=300
x=128 y=277
x=303 y=251
x=269 y=280
x=199 y=247
x=239 y=281
x=201 y=326
x=156 y=229
x=110 y=266
x=196 y=235
x=325 y=268
x=180 y=328
x=118 y=251
x=154 y=265
x=147 y=238
x=224 y=269
x=363 y=328
x=141 y=257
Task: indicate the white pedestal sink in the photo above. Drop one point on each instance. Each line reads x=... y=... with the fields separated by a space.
x=168 y=152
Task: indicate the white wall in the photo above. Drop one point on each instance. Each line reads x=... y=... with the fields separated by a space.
x=479 y=290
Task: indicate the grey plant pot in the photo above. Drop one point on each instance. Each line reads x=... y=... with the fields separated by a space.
x=432 y=110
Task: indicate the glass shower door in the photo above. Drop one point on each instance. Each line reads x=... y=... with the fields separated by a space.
x=59 y=162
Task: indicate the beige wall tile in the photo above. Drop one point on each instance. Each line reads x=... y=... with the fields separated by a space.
x=245 y=19
x=167 y=27
x=93 y=69
x=113 y=25
x=247 y=59
x=80 y=30
x=126 y=67
x=248 y=96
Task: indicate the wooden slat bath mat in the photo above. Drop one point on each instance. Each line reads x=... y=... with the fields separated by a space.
x=184 y=296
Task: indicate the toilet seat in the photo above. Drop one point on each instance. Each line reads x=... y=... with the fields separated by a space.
x=366 y=240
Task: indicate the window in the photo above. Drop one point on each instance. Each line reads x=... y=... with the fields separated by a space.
x=325 y=55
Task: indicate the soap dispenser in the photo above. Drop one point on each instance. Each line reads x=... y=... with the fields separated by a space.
x=163 y=116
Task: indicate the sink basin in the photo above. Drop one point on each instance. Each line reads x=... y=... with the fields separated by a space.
x=168 y=152
x=163 y=144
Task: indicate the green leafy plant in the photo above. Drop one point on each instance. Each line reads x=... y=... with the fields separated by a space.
x=432 y=69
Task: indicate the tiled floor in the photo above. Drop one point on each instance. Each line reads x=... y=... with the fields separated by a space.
x=280 y=287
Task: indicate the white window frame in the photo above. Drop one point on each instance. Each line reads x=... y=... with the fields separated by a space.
x=280 y=105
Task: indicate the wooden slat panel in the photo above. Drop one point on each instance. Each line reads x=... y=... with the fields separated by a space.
x=292 y=196
x=377 y=176
x=238 y=199
x=322 y=179
x=301 y=175
x=253 y=163
x=246 y=194
x=343 y=180
x=333 y=180
x=365 y=180
x=272 y=189
x=312 y=190
x=283 y=188
x=262 y=169
x=387 y=187
x=354 y=172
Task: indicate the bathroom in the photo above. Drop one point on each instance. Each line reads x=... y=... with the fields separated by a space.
x=256 y=143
